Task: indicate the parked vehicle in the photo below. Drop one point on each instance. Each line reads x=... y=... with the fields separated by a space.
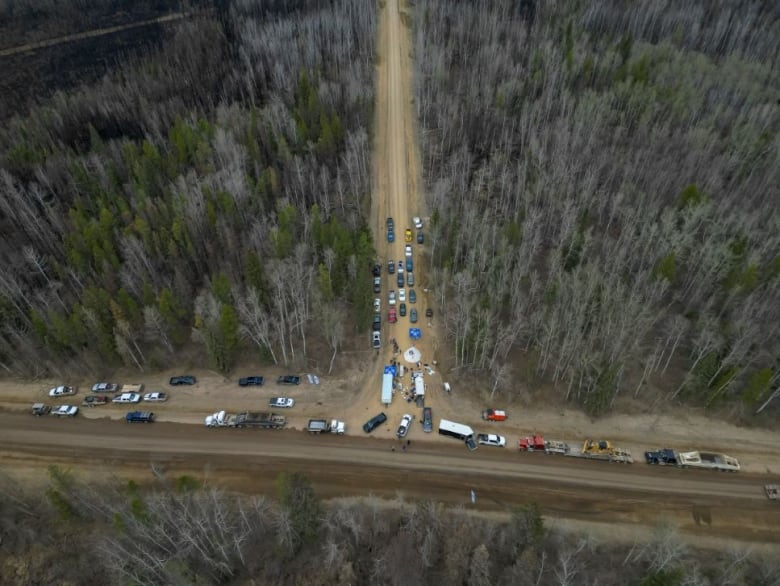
x=532 y=443
x=429 y=312
x=456 y=430
x=494 y=415
x=709 y=460
x=399 y=279
x=288 y=379
x=325 y=426
x=251 y=381
x=377 y=305
x=156 y=397
x=39 y=409
x=420 y=237
x=376 y=340
x=402 y=310
x=391 y=317
x=410 y=279
x=94 y=400
x=413 y=316
x=391 y=297
x=491 y=439
x=246 y=419
x=182 y=380
x=402 y=295
x=139 y=417
x=377 y=284
x=282 y=402
x=62 y=391
x=772 y=491
x=377 y=325
x=374 y=422
x=408 y=235
x=427 y=419
x=403 y=427
x=127 y=398
x=390 y=267
x=601 y=450
x=376 y=270
x=400 y=266
x=417 y=222
x=105 y=388
x=390 y=224
x=65 y=411
x=390 y=236
x=408 y=250
x=409 y=264
x=412 y=296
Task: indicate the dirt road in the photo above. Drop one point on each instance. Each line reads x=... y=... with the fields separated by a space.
x=95 y=443
x=168 y=18
x=702 y=503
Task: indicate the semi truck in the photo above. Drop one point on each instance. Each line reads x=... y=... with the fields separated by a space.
x=695 y=459
x=246 y=419
x=532 y=443
x=326 y=426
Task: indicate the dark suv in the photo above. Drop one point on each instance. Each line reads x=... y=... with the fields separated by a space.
x=376 y=271
x=182 y=380
x=427 y=420
x=288 y=379
x=251 y=381
x=374 y=422
x=377 y=322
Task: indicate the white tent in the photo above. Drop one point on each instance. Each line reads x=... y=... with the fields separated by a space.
x=412 y=355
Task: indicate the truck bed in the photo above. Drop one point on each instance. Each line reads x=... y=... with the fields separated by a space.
x=709 y=460
x=248 y=419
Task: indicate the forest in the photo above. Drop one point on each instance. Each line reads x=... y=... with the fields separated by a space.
x=210 y=194
x=603 y=180
x=178 y=531
x=602 y=183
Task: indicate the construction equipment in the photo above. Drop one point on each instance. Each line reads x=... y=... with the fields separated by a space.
x=602 y=450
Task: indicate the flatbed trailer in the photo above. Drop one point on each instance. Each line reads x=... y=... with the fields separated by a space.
x=246 y=419
x=695 y=459
x=556 y=447
x=601 y=450
x=709 y=460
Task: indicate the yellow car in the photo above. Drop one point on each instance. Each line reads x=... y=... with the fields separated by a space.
x=408 y=235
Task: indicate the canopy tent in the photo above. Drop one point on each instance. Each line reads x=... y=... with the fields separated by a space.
x=412 y=355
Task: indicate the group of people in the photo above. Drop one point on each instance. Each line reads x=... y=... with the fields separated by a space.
x=404 y=446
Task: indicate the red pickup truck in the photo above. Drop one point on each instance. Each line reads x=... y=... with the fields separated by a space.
x=494 y=415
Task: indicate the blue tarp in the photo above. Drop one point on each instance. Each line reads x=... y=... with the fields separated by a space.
x=415 y=333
